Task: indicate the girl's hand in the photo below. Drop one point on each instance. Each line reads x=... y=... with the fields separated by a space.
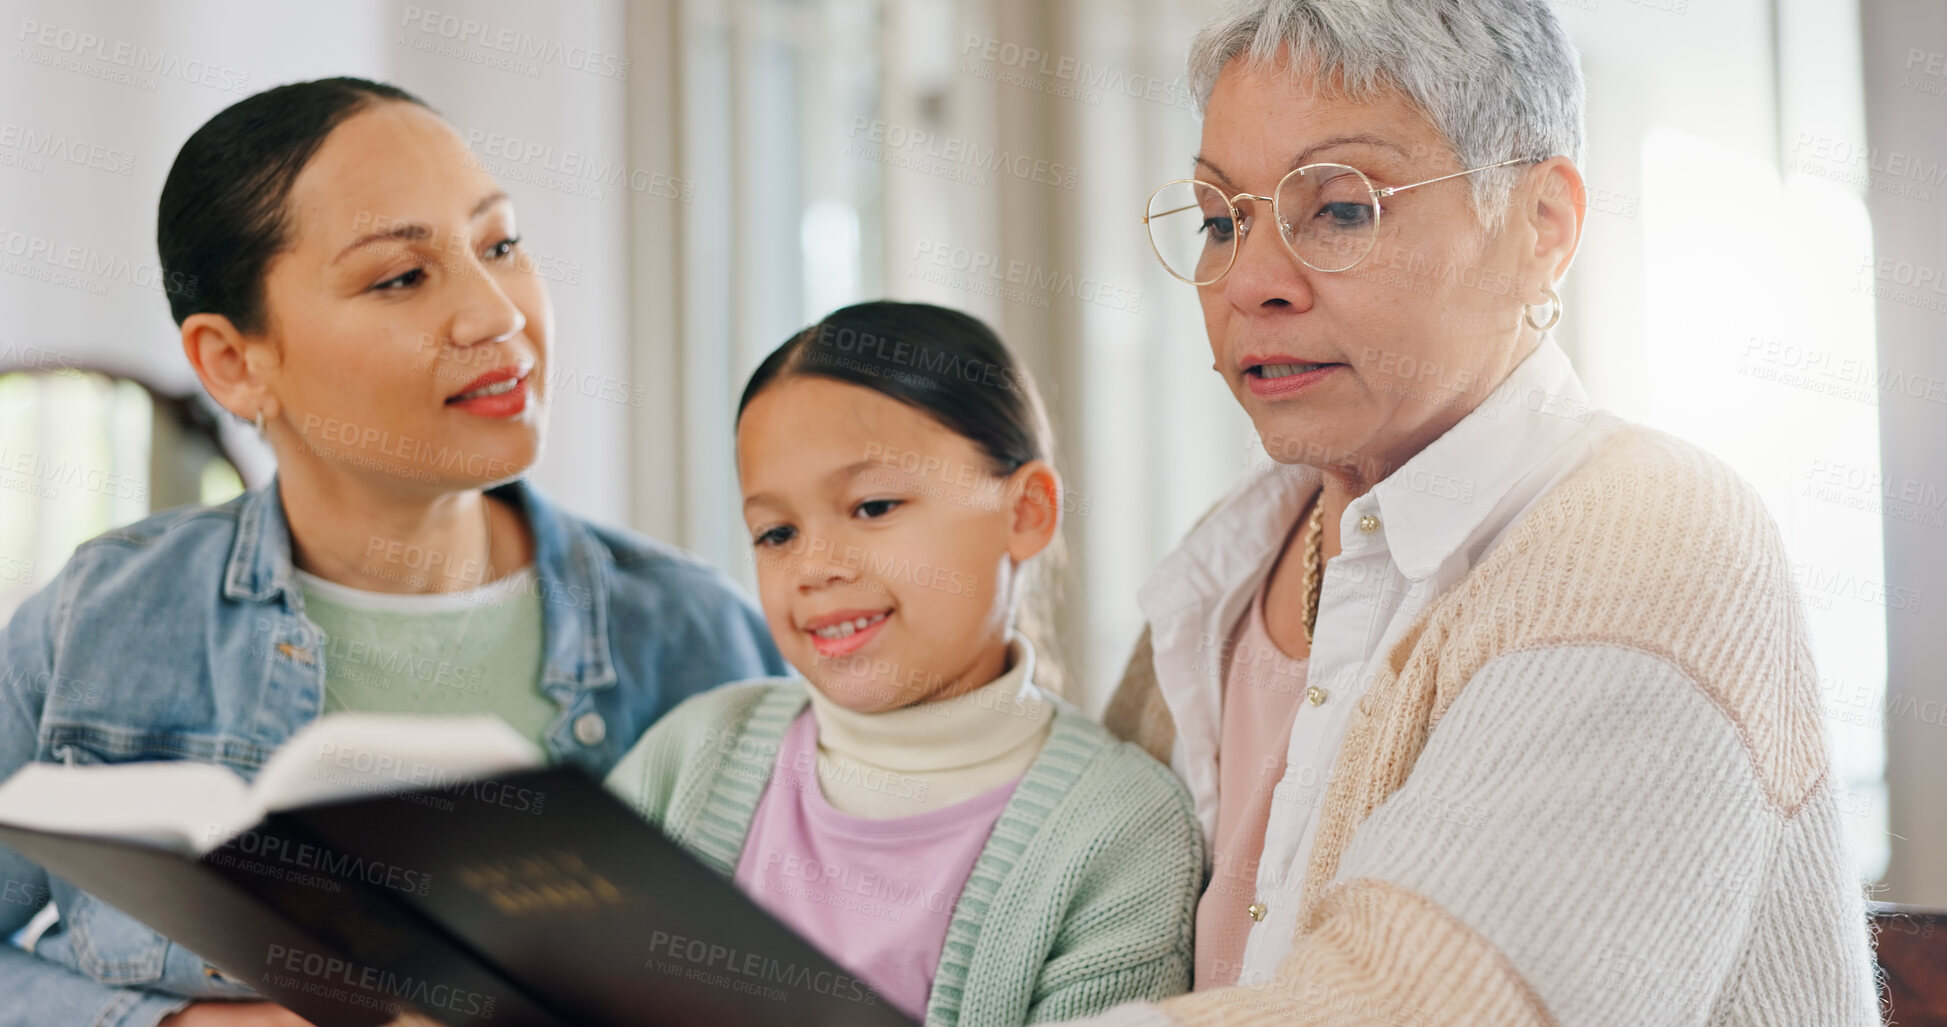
x=235 y=1014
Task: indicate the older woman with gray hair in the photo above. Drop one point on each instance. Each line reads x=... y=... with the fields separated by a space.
x=1496 y=709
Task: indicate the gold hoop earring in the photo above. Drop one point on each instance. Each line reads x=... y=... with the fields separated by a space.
x=1554 y=302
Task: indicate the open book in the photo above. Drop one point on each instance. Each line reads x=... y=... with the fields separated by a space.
x=192 y=808
x=382 y=864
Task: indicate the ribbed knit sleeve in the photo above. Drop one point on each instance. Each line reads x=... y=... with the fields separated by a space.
x=1126 y=934
x=1084 y=896
x=698 y=773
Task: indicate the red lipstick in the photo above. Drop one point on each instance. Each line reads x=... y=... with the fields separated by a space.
x=499 y=393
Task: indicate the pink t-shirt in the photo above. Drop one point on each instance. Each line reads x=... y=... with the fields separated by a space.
x=1263 y=691
x=875 y=895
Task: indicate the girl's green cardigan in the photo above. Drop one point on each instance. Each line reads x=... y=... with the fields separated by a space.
x=1083 y=897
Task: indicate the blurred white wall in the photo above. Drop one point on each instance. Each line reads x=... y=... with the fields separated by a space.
x=1905 y=159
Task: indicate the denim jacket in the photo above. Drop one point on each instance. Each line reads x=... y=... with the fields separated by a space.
x=183 y=637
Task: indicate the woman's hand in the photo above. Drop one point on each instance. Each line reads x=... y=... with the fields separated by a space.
x=260 y=1014
x=235 y=1014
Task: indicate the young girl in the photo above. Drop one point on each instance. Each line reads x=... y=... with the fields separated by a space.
x=972 y=847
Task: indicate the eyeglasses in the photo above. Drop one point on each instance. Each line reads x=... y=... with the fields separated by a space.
x=1327 y=215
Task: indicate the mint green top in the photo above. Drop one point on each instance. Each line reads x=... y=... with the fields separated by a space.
x=1083 y=897
x=478 y=651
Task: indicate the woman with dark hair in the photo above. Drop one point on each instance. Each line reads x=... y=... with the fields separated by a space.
x=347 y=279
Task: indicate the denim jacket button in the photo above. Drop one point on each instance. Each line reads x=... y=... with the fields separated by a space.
x=590 y=729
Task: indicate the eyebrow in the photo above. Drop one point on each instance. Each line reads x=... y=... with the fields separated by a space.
x=1306 y=153
x=850 y=470
x=415 y=231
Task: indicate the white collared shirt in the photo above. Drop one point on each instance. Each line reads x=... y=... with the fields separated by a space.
x=1409 y=539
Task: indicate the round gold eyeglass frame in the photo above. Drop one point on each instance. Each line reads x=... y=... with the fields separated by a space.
x=1285 y=233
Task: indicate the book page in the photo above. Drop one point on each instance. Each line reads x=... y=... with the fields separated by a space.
x=347 y=755
x=183 y=806
x=194 y=807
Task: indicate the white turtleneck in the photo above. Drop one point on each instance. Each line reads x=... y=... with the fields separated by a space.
x=934 y=754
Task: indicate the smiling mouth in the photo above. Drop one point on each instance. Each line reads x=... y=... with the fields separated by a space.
x=499 y=388
x=848 y=628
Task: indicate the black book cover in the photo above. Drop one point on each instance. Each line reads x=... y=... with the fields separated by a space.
x=533 y=898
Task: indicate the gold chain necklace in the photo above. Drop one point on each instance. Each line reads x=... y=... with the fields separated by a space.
x=1314 y=550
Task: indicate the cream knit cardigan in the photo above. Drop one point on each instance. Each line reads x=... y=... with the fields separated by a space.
x=1589 y=786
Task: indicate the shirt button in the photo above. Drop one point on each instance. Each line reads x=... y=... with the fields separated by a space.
x=1315 y=695
x=1257 y=911
x=1368 y=524
x=590 y=729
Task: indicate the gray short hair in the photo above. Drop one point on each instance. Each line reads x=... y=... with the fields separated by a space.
x=1499 y=79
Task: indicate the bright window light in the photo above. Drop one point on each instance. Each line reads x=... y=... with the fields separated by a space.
x=1760 y=350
